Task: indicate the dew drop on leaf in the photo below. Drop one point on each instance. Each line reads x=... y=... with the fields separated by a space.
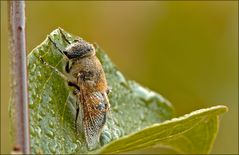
x=121 y=78
x=49 y=133
x=51 y=125
x=105 y=137
x=52 y=147
x=78 y=142
x=38 y=131
x=39 y=117
x=32 y=131
x=31 y=104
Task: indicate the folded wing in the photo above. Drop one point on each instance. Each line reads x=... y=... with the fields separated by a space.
x=94 y=109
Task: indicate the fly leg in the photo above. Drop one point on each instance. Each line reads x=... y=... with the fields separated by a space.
x=77 y=93
x=77 y=114
x=68 y=66
x=58 y=72
x=74 y=84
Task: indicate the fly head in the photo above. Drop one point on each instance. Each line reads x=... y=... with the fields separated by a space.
x=79 y=49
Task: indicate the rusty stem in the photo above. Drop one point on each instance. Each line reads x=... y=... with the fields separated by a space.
x=19 y=75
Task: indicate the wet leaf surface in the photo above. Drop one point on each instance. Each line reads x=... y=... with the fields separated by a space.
x=192 y=133
x=52 y=104
x=139 y=118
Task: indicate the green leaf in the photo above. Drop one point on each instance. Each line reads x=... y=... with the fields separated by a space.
x=192 y=133
x=139 y=117
x=53 y=107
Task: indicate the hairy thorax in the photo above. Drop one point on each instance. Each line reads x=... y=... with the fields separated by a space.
x=89 y=74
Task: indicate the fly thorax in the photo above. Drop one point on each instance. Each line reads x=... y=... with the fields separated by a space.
x=86 y=76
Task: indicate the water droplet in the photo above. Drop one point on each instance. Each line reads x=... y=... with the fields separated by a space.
x=39 y=117
x=121 y=78
x=63 y=139
x=52 y=147
x=49 y=98
x=115 y=135
x=31 y=104
x=115 y=108
x=38 y=131
x=32 y=131
x=70 y=147
x=33 y=95
x=78 y=142
x=49 y=133
x=42 y=113
x=38 y=74
x=142 y=116
x=51 y=125
x=145 y=94
x=116 y=122
x=73 y=147
x=119 y=132
x=38 y=150
x=140 y=91
x=121 y=122
x=33 y=68
x=105 y=137
x=52 y=112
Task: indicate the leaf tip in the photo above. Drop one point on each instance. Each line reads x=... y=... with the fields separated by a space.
x=222 y=108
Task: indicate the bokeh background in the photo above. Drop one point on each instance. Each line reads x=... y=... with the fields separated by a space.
x=187 y=51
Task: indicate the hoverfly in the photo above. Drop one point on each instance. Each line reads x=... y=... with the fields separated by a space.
x=88 y=77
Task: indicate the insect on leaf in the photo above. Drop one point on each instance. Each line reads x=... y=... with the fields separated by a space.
x=53 y=107
x=138 y=118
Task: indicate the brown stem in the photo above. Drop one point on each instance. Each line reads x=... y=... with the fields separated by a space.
x=19 y=74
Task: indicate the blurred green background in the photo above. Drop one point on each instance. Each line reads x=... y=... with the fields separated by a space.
x=187 y=51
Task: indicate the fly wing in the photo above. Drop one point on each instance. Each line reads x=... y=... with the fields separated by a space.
x=94 y=109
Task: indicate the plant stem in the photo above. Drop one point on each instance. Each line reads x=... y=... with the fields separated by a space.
x=19 y=74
